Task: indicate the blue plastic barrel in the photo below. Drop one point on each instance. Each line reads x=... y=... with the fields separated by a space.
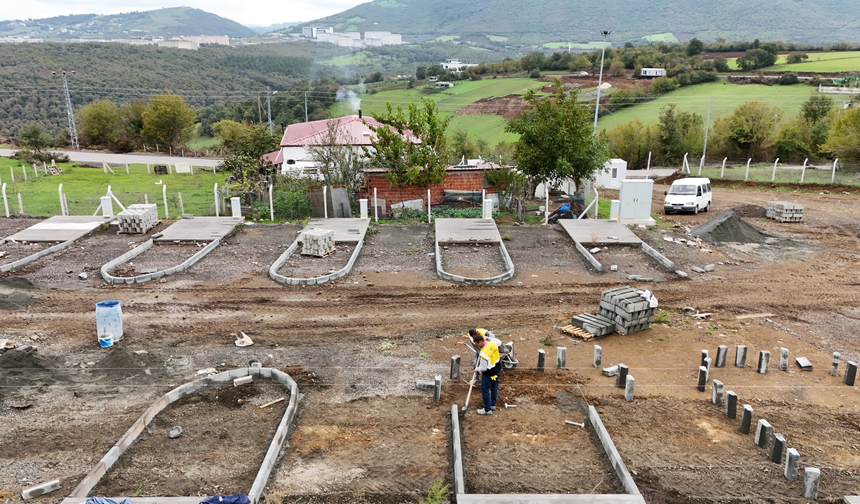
x=109 y=319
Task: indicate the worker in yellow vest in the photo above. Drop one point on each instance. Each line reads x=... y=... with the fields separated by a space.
x=489 y=364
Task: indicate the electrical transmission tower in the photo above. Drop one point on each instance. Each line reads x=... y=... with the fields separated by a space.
x=73 y=131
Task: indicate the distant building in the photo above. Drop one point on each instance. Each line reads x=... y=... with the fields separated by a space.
x=180 y=44
x=19 y=40
x=444 y=84
x=455 y=65
x=207 y=39
x=352 y=39
x=652 y=73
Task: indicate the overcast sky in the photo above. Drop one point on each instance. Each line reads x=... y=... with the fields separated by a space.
x=247 y=12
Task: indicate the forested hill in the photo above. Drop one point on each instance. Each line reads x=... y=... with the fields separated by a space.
x=173 y=21
x=538 y=21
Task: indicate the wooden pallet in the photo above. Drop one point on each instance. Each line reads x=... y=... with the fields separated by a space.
x=55 y=170
x=576 y=331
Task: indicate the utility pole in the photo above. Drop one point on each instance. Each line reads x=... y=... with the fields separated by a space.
x=73 y=131
x=306 y=106
x=707 y=123
x=269 y=107
x=600 y=79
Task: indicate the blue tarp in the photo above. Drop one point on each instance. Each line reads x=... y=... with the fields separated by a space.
x=227 y=499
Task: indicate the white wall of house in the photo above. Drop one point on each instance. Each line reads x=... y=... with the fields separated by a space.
x=612 y=173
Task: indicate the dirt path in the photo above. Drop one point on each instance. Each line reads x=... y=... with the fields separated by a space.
x=356 y=347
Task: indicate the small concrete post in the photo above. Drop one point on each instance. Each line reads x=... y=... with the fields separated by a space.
x=834 y=367
x=791 y=460
x=731 y=410
x=850 y=373
x=741 y=356
x=181 y=205
x=783 y=359
x=777 y=447
x=763 y=360
x=628 y=388
x=621 y=377
x=717 y=393
x=703 y=378
x=437 y=392
x=811 y=477
x=598 y=356
x=541 y=360
x=147 y=168
x=236 y=207
x=704 y=356
x=560 y=355
x=722 y=351
x=708 y=368
x=126 y=169
x=455 y=366
x=762 y=433
x=746 y=419
x=20 y=204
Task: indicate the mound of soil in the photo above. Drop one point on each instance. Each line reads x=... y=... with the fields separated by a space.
x=506 y=106
x=750 y=211
x=28 y=369
x=728 y=227
x=120 y=364
x=15 y=300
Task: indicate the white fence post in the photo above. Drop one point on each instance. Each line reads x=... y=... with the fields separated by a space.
x=648 y=166
x=428 y=206
x=747 y=174
x=803 y=170
x=5 y=202
x=375 y=208
x=325 y=202
x=271 y=204
x=773 y=175
x=164 y=195
x=217 y=203
x=701 y=164
x=20 y=205
x=723 y=169
x=60 y=193
x=833 y=173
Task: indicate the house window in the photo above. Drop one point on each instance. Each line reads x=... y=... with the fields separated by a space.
x=615 y=173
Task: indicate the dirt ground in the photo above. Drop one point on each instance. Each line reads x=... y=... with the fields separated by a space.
x=365 y=433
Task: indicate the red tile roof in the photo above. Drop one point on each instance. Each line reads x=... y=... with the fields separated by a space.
x=275 y=158
x=354 y=129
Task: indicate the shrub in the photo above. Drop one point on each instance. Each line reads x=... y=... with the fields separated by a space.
x=663 y=85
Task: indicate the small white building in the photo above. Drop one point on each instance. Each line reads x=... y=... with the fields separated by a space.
x=612 y=173
x=455 y=65
x=652 y=73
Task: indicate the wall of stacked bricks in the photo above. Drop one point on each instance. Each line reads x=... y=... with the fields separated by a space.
x=784 y=211
x=621 y=309
x=456 y=181
x=138 y=218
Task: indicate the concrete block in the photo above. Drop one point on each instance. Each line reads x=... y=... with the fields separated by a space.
x=455 y=367
x=682 y=274
x=717 y=393
x=811 y=477
x=560 y=357
x=783 y=359
x=708 y=367
x=722 y=352
x=541 y=360
x=610 y=371
x=598 y=356
x=740 y=356
x=834 y=366
x=763 y=360
x=704 y=356
x=425 y=384
x=731 y=409
x=791 y=460
x=777 y=447
x=621 y=377
x=40 y=489
x=628 y=388
x=762 y=433
x=703 y=378
x=746 y=419
x=710 y=267
x=850 y=373
x=437 y=389
x=245 y=380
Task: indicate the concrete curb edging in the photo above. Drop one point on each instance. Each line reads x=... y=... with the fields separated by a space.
x=146 y=277
x=279 y=439
x=585 y=253
x=611 y=452
x=494 y=280
x=281 y=279
x=459 y=479
x=660 y=258
x=38 y=255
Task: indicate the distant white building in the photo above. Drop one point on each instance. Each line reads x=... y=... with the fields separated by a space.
x=179 y=44
x=207 y=39
x=352 y=39
x=455 y=65
x=652 y=73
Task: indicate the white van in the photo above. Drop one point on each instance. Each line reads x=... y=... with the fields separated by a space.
x=688 y=195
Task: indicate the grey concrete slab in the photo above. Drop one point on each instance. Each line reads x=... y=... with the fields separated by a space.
x=142 y=500
x=59 y=228
x=199 y=229
x=849 y=499
x=467 y=231
x=598 y=232
x=548 y=498
x=344 y=228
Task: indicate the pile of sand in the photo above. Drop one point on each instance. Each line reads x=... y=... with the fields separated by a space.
x=119 y=364
x=728 y=227
x=12 y=296
x=29 y=369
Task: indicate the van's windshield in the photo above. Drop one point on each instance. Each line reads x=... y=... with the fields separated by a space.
x=682 y=189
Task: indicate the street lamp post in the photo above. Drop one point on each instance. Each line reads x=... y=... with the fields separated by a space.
x=600 y=79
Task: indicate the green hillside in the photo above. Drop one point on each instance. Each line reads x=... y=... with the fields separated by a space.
x=541 y=21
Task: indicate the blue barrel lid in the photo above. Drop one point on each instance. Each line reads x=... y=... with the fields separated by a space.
x=107 y=304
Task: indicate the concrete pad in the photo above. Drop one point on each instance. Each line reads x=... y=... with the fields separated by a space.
x=199 y=229
x=143 y=500
x=341 y=228
x=548 y=498
x=599 y=232
x=59 y=228
x=467 y=231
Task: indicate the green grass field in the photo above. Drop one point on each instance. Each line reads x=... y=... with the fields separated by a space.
x=827 y=62
x=83 y=188
x=587 y=46
x=726 y=97
x=762 y=172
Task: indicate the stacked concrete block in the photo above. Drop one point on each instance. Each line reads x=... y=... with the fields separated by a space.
x=138 y=218
x=595 y=324
x=628 y=309
x=317 y=242
x=784 y=211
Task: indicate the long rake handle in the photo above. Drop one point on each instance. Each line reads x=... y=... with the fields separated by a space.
x=469 y=395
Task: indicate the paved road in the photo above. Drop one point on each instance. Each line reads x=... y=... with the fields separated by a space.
x=121 y=159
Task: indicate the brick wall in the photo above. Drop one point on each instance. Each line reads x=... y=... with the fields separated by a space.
x=457 y=181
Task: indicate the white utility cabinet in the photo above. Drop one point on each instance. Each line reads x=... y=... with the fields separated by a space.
x=635 y=199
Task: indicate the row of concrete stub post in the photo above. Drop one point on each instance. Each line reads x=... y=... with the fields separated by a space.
x=764 y=436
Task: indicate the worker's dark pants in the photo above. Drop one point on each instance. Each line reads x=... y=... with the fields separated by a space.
x=489 y=391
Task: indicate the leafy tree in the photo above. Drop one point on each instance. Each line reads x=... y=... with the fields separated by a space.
x=662 y=85
x=557 y=139
x=679 y=132
x=132 y=125
x=616 y=69
x=816 y=107
x=632 y=141
x=100 y=123
x=512 y=188
x=421 y=73
x=796 y=58
x=721 y=64
x=695 y=47
x=35 y=137
x=532 y=61
x=168 y=120
x=256 y=141
x=787 y=79
x=339 y=162
x=461 y=147
x=411 y=144
x=749 y=130
x=756 y=58
x=229 y=133
x=844 y=139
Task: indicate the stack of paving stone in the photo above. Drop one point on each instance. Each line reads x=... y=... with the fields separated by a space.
x=627 y=309
x=317 y=242
x=138 y=218
x=783 y=211
x=597 y=325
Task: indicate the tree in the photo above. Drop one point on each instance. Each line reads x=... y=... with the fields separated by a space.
x=679 y=132
x=411 y=144
x=229 y=133
x=844 y=139
x=721 y=64
x=796 y=58
x=557 y=139
x=749 y=130
x=756 y=58
x=100 y=123
x=461 y=146
x=632 y=141
x=817 y=107
x=35 y=137
x=695 y=47
x=339 y=162
x=168 y=120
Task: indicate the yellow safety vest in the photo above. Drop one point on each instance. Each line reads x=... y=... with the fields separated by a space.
x=490 y=352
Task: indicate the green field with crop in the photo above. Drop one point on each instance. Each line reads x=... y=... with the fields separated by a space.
x=84 y=186
x=822 y=62
x=764 y=172
x=726 y=97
